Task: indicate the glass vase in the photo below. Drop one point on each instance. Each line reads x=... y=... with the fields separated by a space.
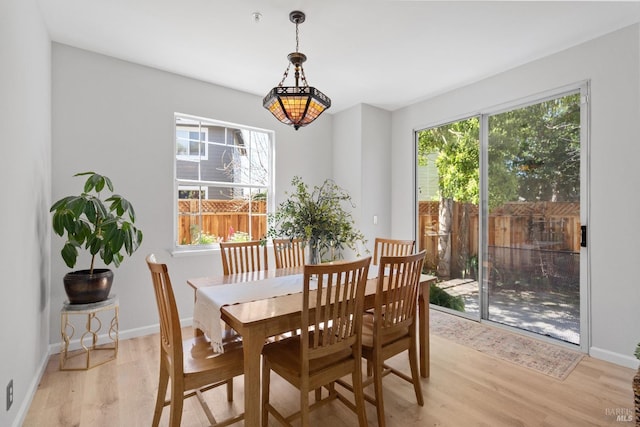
x=313 y=252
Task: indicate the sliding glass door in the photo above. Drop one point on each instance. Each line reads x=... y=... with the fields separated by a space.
x=533 y=226
x=500 y=210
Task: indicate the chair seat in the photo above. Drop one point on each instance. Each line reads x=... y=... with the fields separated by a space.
x=199 y=356
x=284 y=356
x=367 y=333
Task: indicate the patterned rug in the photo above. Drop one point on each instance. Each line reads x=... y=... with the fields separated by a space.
x=549 y=359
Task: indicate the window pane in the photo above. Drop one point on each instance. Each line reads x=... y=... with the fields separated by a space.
x=259 y=158
x=213 y=214
x=223 y=164
x=448 y=186
x=222 y=187
x=182 y=142
x=533 y=251
x=189 y=214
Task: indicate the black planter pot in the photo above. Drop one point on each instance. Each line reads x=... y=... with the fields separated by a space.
x=84 y=288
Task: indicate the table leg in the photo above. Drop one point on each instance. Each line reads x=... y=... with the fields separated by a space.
x=423 y=329
x=252 y=343
x=196 y=332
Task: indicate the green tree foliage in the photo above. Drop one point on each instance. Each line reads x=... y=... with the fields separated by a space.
x=533 y=155
x=458 y=159
x=534 y=152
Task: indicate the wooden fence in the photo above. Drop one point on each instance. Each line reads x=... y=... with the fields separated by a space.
x=524 y=226
x=219 y=217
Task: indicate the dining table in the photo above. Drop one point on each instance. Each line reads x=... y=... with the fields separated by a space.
x=256 y=320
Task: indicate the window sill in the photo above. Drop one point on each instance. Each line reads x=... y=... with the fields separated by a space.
x=177 y=253
x=201 y=250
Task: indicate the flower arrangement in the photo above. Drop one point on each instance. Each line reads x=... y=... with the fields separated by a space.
x=319 y=218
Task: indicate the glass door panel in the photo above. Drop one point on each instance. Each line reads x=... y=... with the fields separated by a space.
x=448 y=195
x=532 y=253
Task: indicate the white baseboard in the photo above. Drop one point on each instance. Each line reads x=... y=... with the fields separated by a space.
x=617 y=358
x=122 y=335
x=75 y=345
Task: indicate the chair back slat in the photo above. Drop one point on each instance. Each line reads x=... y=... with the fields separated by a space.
x=391 y=247
x=243 y=257
x=288 y=252
x=334 y=311
x=396 y=308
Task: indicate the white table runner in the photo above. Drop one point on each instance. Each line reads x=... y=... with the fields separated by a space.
x=209 y=300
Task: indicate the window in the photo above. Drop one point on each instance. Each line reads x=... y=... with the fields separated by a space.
x=223 y=181
x=190 y=144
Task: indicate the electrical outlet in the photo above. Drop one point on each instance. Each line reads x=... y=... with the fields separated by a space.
x=9 y=394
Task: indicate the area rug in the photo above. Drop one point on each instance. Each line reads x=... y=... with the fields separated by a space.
x=549 y=359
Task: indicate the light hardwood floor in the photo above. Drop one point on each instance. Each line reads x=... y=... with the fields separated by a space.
x=466 y=388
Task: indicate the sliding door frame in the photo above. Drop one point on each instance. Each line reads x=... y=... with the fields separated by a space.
x=583 y=88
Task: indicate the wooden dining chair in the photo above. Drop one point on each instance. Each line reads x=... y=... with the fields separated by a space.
x=391 y=329
x=191 y=365
x=328 y=347
x=243 y=257
x=391 y=247
x=288 y=252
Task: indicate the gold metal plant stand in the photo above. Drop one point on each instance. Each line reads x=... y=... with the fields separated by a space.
x=93 y=326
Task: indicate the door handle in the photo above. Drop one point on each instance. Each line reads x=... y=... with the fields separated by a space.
x=583 y=236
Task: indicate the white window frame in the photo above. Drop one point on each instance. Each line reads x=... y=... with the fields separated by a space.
x=269 y=188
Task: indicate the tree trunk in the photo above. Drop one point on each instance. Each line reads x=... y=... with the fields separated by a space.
x=463 y=242
x=444 y=237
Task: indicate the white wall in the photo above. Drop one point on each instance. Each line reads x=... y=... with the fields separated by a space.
x=611 y=63
x=376 y=174
x=362 y=165
x=25 y=168
x=347 y=160
x=116 y=118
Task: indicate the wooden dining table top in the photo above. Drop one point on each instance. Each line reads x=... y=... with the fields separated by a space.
x=200 y=282
x=288 y=307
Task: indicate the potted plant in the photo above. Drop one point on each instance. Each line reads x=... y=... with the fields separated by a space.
x=319 y=218
x=105 y=231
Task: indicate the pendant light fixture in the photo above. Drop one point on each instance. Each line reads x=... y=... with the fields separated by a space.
x=301 y=104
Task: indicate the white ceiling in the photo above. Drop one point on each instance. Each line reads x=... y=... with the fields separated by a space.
x=386 y=53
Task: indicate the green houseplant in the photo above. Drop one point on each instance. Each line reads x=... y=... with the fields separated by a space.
x=105 y=231
x=319 y=218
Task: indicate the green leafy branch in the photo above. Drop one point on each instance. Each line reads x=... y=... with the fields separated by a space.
x=318 y=217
